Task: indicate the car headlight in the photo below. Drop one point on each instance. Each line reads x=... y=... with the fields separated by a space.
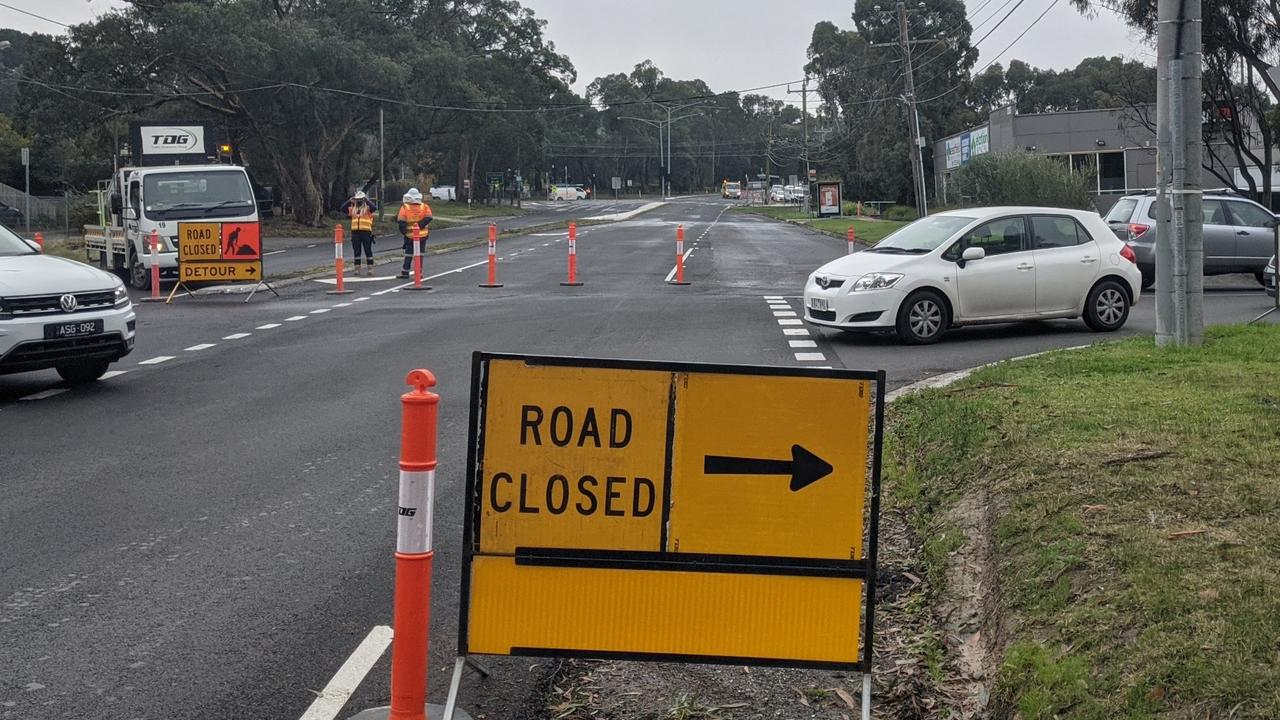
x=122 y=296
x=876 y=281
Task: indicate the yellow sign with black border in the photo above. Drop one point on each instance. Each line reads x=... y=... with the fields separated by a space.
x=671 y=511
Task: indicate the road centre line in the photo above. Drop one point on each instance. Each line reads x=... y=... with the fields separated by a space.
x=331 y=700
x=295 y=318
x=156 y=360
x=342 y=305
x=320 y=311
x=237 y=336
x=268 y=326
x=201 y=346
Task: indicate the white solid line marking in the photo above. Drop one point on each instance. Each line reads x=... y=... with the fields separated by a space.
x=113 y=373
x=201 y=346
x=818 y=357
x=237 y=336
x=157 y=360
x=802 y=343
x=361 y=299
x=312 y=245
x=45 y=394
x=790 y=321
x=795 y=331
x=784 y=313
x=341 y=305
x=330 y=701
x=268 y=326
x=319 y=311
x=295 y=318
x=275 y=252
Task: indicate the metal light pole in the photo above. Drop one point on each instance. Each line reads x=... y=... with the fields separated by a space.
x=1180 y=221
x=26 y=168
x=382 y=163
x=657 y=124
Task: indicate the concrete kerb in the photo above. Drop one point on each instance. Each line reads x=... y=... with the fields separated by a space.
x=945 y=379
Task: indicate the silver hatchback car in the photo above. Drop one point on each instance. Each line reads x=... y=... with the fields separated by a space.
x=1239 y=234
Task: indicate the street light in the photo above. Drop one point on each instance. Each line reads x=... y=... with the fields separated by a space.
x=657 y=124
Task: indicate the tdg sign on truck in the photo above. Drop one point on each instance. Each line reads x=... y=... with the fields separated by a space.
x=670 y=511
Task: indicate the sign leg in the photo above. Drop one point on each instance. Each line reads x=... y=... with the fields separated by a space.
x=866 y=696
x=451 y=702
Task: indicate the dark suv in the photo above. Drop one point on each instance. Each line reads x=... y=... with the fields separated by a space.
x=1239 y=234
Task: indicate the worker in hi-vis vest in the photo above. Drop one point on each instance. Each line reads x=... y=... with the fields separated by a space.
x=360 y=209
x=413 y=213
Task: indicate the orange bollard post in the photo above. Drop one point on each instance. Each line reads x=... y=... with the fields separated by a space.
x=850 y=237
x=155 y=268
x=573 y=256
x=417 y=261
x=412 y=613
x=338 y=263
x=40 y=241
x=679 y=269
x=493 y=259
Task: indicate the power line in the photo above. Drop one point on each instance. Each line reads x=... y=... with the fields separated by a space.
x=38 y=17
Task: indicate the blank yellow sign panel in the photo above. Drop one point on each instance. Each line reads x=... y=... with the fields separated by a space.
x=788 y=468
x=694 y=614
x=573 y=458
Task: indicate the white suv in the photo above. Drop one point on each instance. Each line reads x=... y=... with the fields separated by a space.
x=61 y=314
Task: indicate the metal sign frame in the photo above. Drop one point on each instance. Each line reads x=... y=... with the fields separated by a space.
x=863 y=569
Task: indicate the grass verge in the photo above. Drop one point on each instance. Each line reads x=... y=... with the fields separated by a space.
x=1136 y=536
x=868 y=231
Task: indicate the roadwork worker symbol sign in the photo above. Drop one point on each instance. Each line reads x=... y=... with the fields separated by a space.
x=669 y=511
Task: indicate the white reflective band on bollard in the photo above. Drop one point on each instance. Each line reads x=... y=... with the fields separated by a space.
x=337 y=251
x=413 y=532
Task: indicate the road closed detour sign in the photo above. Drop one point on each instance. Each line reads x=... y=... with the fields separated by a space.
x=667 y=511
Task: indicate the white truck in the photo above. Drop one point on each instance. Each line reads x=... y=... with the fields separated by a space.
x=175 y=177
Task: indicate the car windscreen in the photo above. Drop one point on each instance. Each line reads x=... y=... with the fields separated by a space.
x=923 y=235
x=11 y=244
x=196 y=194
x=1122 y=210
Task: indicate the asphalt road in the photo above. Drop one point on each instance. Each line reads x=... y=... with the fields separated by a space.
x=211 y=535
x=291 y=255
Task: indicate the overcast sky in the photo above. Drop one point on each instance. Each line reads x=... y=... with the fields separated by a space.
x=739 y=44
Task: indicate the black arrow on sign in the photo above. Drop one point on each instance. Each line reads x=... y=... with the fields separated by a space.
x=804 y=467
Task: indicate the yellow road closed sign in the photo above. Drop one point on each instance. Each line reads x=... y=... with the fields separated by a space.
x=671 y=511
x=199 y=241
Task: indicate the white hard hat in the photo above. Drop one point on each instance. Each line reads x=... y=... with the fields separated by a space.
x=413 y=196
x=359 y=195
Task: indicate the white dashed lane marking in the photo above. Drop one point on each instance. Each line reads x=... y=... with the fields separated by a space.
x=157 y=360
x=319 y=311
x=237 y=336
x=268 y=326
x=784 y=313
x=45 y=394
x=810 y=356
x=790 y=321
x=802 y=343
x=201 y=346
x=295 y=318
x=113 y=373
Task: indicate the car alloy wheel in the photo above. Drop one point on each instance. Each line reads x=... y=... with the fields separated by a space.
x=1110 y=305
x=925 y=318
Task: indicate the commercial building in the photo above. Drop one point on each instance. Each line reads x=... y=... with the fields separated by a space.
x=1114 y=148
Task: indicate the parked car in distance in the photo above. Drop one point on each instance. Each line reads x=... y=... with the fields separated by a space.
x=444 y=192
x=567 y=192
x=1269 y=277
x=59 y=313
x=1238 y=233
x=777 y=194
x=793 y=193
x=979 y=265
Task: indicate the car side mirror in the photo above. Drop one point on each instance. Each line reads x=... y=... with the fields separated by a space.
x=973 y=253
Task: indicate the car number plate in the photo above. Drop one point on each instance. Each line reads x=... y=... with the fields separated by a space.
x=72 y=329
x=818 y=303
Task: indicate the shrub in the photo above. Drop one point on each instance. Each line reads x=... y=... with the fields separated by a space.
x=1020 y=179
x=900 y=213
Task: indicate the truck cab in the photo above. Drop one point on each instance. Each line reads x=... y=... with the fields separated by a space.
x=146 y=198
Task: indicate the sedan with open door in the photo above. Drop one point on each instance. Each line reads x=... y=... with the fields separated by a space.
x=978 y=266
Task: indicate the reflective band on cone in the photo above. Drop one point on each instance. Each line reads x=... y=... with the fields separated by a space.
x=155 y=268
x=851 y=238
x=412 y=617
